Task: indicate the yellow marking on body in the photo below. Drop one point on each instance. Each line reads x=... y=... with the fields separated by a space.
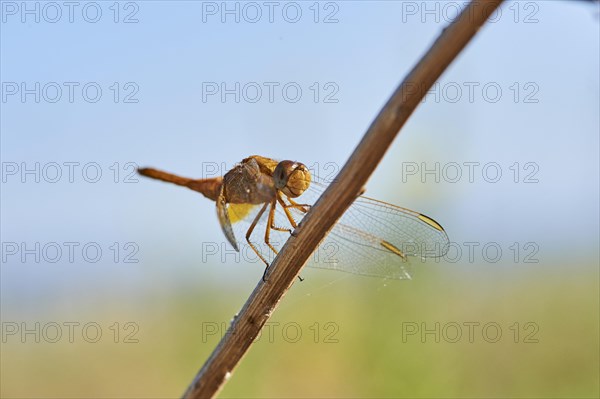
x=392 y=248
x=238 y=212
x=431 y=222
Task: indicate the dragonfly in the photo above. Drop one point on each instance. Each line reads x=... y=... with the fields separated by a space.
x=261 y=201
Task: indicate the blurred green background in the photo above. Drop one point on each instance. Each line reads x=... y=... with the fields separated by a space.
x=533 y=311
x=337 y=337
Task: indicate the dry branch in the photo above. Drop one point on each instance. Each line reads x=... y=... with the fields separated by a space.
x=336 y=199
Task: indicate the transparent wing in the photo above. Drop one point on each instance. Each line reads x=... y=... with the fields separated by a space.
x=372 y=237
x=376 y=238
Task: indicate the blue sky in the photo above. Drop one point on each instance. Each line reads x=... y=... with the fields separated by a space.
x=532 y=114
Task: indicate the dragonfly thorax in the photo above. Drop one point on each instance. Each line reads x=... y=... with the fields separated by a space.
x=291 y=178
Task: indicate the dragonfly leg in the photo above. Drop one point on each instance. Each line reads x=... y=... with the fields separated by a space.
x=287 y=212
x=251 y=229
x=271 y=225
x=302 y=207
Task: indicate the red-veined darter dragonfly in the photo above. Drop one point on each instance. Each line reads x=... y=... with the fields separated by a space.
x=261 y=194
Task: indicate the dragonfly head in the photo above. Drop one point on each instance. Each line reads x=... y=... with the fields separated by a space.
x=291 y=178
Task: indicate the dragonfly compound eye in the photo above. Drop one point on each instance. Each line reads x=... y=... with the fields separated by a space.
x=292 y=178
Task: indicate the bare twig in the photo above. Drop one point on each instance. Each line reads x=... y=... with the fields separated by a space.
x=336 y=199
